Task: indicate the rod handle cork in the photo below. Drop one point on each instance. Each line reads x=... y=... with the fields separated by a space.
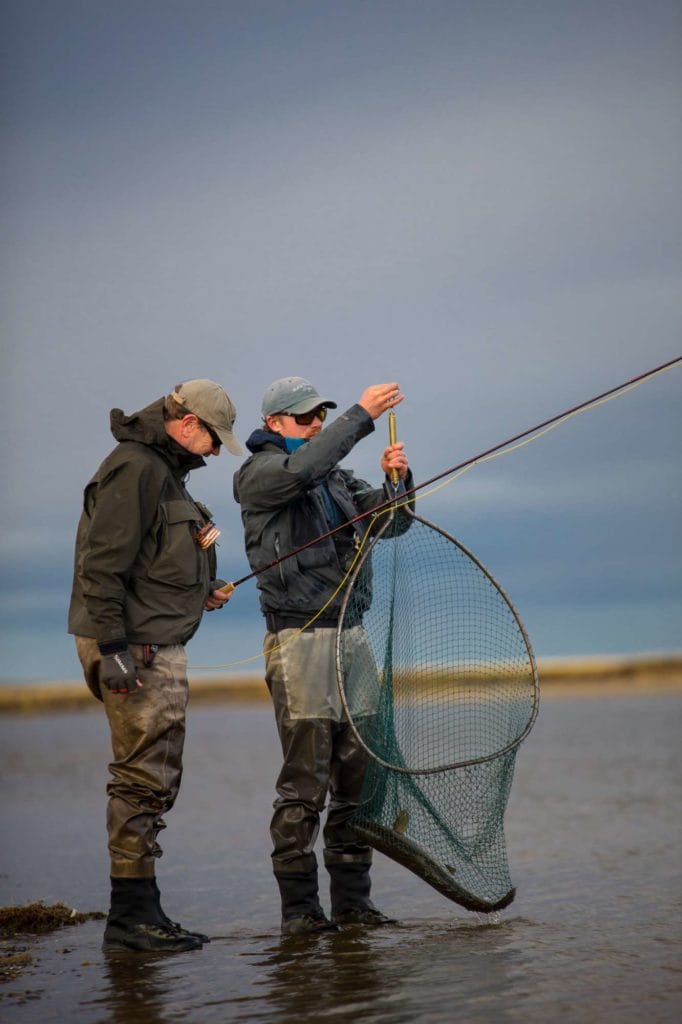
x=392 y=438
x=226 y=590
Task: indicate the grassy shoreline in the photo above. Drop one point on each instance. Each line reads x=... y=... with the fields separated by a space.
x=558 y=676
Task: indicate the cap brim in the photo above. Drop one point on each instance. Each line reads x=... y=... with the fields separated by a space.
x=308 y=404
x=229 y=440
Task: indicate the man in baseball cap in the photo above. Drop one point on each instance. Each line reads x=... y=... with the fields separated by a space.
x=145 y=572
x=295 y=498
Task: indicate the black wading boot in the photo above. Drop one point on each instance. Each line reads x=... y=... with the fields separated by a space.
x=173 y=925
x=301 y=910
x=135 y=922
x=349 y=888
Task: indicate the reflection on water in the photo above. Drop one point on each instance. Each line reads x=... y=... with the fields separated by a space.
x=300 y=975
x=135 y=989
x=593 y=831
x=370 y=979
x=403 y=974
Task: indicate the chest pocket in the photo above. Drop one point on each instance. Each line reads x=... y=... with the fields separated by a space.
x=178 y=560
x=306 y=523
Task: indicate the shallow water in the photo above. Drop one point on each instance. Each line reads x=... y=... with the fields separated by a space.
x=593 y=830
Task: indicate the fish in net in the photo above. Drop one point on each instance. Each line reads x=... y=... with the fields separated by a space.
x=438 y=680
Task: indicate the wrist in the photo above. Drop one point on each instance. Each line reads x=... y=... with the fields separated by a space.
x=113 y=646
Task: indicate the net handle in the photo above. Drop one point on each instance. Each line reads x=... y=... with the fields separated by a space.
x=392 y=438
x=403 y=769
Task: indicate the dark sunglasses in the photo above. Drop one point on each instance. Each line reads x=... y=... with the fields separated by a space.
x=304 y=419
x=214 y=437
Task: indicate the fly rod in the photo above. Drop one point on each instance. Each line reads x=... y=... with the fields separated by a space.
x=454 y=469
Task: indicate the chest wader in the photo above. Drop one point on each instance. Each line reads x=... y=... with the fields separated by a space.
x=147 y=735
x=322 y=759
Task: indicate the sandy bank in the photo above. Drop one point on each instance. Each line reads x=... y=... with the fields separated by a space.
x=558 y=676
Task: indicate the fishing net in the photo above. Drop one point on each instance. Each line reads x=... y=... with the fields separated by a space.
x=439 y=683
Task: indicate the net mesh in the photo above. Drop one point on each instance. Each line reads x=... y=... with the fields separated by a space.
x=439 y=682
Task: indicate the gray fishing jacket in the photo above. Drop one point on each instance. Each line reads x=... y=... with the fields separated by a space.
x=284 y=506
x=138 y=572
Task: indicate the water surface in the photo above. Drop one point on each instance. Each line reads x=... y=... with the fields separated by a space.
x=594 y=837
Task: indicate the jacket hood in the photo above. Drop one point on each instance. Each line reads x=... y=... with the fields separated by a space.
x=260 y=438
x=146 y=426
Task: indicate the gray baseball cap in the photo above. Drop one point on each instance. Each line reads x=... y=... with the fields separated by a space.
x=292 y=395
x=213 y=405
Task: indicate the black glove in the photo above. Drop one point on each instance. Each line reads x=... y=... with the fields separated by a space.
x=117 y=669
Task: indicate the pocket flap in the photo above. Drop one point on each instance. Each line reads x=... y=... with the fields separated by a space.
x=179 y=511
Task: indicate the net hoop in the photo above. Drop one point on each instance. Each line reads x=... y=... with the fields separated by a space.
x=402 y=768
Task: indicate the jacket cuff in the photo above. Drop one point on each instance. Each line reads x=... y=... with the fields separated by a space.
x=113 y=647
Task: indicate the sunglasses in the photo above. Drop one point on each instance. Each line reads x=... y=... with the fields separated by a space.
x=214 y=437
x=304 y=419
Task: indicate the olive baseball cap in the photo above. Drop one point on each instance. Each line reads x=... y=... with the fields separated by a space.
x=292 y=395
x=213 y=405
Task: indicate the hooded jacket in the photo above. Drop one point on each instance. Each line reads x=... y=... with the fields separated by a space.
x=290 y=498
x=138 y=572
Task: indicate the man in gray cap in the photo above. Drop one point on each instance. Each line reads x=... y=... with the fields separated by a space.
x=291 y=491
x=145 y=571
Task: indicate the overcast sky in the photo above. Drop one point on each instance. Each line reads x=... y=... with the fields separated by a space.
x=478 y=200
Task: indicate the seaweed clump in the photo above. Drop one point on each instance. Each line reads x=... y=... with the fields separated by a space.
x=37 y=919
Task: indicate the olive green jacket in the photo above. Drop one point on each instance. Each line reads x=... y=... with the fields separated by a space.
x=138 y=572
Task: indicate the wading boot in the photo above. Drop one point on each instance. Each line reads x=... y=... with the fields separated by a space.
x=349 y=888
x=301 y=910
x=135 y=923
x=174 y=925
